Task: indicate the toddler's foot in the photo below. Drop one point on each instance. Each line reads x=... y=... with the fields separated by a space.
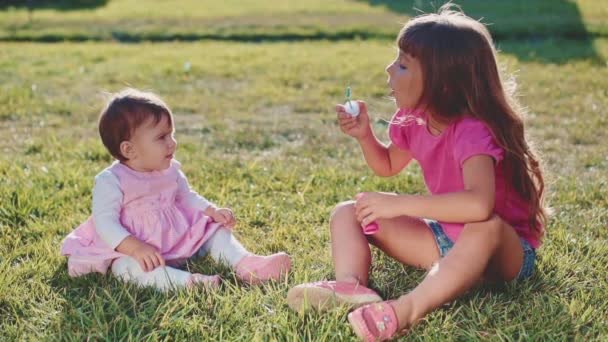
x=324 y=295
x=256 y=269
x=198 y=279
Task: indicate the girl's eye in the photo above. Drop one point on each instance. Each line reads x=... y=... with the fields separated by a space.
x=162 y=137
x=401 y=66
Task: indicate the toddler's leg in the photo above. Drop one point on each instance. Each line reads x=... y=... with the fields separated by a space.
x=224 y=247
x=163 y=278
x=251 y=268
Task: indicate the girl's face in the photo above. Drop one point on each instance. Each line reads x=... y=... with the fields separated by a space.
x=153 y=146
x=405 y=80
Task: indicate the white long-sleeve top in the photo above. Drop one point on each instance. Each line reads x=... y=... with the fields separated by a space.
x=107 y=204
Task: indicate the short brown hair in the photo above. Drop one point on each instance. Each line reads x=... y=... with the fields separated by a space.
x=125 y=112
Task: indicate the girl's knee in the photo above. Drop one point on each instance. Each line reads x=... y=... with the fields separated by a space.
x=126 y=266
x=342 y=211
x=492 y=229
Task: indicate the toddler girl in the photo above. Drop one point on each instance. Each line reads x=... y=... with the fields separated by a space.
x=146 y=219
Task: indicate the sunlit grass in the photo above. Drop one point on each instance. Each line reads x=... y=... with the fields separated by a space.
x=257 y=133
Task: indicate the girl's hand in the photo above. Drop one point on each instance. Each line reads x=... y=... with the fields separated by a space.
x=376 y=205
x=146 y=255
x=224 y=216
x=357 y=127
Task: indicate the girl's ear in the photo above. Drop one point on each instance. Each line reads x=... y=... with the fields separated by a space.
x=127 y=149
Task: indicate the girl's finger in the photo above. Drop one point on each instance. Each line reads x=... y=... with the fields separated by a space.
x=350 y=126
x=156 y=260
x=344 y=116
x=229 y=219
x=346 y=121
x=362 y=106
x=360 y=204
x=368 y=219
x=363 y=213
x=343 y=125
x=161 y=260
x=141 y=263
x=146 y=264
x=151 y=262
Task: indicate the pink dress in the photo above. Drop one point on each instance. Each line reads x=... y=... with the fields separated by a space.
x=149 y=212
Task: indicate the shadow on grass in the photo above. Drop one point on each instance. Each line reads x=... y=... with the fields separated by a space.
x=535 y=25
x=61 y=5
x=98 y=306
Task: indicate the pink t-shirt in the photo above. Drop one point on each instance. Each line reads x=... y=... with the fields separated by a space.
x=442 y=157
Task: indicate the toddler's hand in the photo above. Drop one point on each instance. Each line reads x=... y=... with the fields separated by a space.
x=357 y=127
x=146 y=255
x=376 y=205
x=224 y=216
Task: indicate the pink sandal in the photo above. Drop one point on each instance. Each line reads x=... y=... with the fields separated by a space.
x=323 y=295
x=375 y=322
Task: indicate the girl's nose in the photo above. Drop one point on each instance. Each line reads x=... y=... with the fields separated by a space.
x=389 y=68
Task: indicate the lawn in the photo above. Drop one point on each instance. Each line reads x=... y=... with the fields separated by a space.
x=256 y=132
x=158 y=20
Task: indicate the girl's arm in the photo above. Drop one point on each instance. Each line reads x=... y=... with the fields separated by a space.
x=190 y=198
x=107 y=200
x=475 y=203
x=384 y=160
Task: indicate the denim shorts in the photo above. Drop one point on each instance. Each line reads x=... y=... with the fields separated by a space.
x=445 y=244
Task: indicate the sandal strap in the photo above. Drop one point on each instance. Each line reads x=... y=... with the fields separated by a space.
x=377 y=321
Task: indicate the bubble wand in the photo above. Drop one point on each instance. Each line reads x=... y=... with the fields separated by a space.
x=351 y=107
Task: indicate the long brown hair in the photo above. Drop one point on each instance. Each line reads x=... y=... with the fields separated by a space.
x=461 y=77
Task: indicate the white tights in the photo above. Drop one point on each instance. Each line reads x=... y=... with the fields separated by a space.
x=222 y=246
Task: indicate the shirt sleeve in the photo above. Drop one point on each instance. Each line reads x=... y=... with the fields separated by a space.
x=188 y=197
x=107 y=201
x=475 y=138
x=397 y=131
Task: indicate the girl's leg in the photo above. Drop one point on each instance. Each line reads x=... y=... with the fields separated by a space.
x=408 y=240
x=224 y=247
x=349 y=247
x=491 y=246
x=163 y=278
x=251 y=268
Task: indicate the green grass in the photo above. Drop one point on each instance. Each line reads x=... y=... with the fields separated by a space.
x=257 y=133
x=129 y=20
